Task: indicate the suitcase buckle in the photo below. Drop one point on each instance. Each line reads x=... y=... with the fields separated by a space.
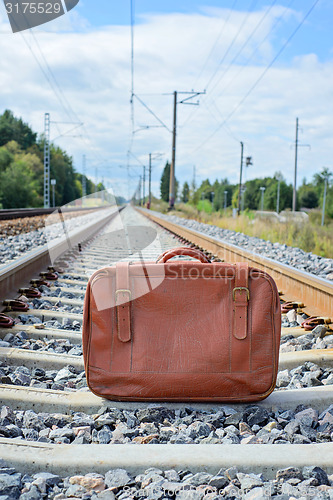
x=241 y=288
x=123 y=291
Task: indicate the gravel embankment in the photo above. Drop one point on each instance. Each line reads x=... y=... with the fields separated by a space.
x=157 y=484
x=160 y=425
x=292 y=256
x=15 y=244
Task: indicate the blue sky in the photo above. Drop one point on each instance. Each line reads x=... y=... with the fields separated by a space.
x=179 y=45
x=315 y=35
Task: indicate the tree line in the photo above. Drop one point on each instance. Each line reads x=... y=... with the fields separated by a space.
x=22 y=168
x=220 y=193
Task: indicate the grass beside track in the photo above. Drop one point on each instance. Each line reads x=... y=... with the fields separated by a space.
x=309 y=236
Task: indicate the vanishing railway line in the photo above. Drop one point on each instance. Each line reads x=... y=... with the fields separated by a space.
x=51 y=422
x=20 y=213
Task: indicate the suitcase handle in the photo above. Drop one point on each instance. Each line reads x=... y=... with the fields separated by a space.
x=189 y=252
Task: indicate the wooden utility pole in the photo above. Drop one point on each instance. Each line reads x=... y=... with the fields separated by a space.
x=240 y=178
x=173 y=161
x=144 y=185
x=297 y=145
x=149 y=200
x=191 y=95
x=295 y=170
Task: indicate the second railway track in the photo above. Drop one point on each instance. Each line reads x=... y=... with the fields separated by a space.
x=51 y=422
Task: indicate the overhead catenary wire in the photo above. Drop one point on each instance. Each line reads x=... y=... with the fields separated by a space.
x=58 y=92
x=257 y=26
x=72 y=113
x=132 y=62
x=226 y=52
x=151 y=112
x=253 y=4
x=52 y=85
x=246 y=63
x=226 y=20
x=258 y=80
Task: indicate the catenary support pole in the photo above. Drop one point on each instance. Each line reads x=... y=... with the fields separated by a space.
x=295 y=170
x=84 y=180
x=47 y=160
x=173 y=161
x=324 y=202
x=240 y=178
x=149 y=201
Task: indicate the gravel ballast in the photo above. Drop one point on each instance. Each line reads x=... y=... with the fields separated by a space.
x=292 y=256
x=15 y=246
x=161 y=425
x=157 y=484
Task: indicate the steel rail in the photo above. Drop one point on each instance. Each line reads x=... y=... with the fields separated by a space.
x=64 y=460
x=53 y=401
x=30 y=358
x=17 y=272
x=316 y=293
x=22 y=213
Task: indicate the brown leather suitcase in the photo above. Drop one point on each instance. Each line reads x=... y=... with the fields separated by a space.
x=181 y=330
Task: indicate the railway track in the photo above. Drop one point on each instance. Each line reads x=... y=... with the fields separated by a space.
x=51 y=423
x=20 y=213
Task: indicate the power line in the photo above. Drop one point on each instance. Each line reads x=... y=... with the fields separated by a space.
x=259 y=78
x=58 y=92
x=267 y=11
x=152 y=112
x=254 y=2
x=132 y=62
x=55 y=80
x=216 y=41
x=246 y=63
x=278 y=20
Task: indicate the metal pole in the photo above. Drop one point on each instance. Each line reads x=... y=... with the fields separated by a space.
x=262 y=189
x=149 y=180
x=53 y=183
x=84 y=180
x=243 y=198
x=173 y=161
x=324 y=202
x=225 y=200
x=47 y=160
x=278 y=197
x=295 y=172
x=144 y=184
x=240 y=178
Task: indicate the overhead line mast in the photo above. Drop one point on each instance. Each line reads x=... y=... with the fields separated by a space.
x=172 y=183
x=47 y=160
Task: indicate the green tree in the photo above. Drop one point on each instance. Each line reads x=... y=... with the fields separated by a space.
x=286 y=193
x=185 y=192
x=14 y=129
x=6 y=158
x=205 y=190
x=18 y=187
x=219 y=188
x=165 y=182
x=307 y=196
x=319 y=181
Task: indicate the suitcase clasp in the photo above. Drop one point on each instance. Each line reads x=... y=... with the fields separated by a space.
x=123 y=291
x=241 y=288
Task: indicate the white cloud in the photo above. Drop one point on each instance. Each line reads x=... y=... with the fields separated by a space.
x=92 y=67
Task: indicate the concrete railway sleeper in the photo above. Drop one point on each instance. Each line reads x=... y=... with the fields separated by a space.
x=50 y=422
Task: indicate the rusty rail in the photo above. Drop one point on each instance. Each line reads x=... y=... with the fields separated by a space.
x=316 y=293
